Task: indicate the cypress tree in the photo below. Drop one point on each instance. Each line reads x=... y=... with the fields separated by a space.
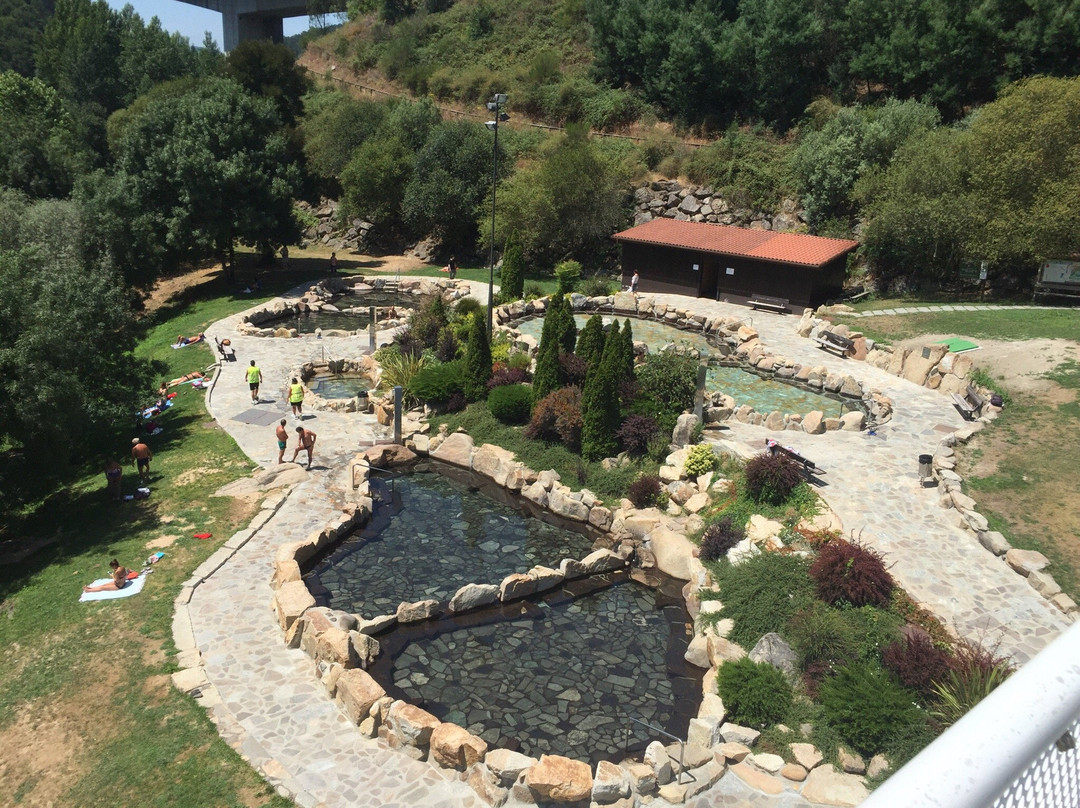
x=567 y=327
x=546 y=376
x=512 y=275
x=477 y=361
x=600 y=401
x=627 y=352
x=590 y=344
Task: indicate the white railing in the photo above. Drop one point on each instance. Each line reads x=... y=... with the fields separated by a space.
x=1018 y=747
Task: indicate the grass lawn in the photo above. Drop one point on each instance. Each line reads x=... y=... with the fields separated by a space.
x=88 y=715
x=1022 y=470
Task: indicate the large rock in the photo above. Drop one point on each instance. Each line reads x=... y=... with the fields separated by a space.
x=919 y=363
x=739 y=734
x=457 y=450
x=356 y=692
x=415 y=612
x=684 y=429
x=388 y=455
x=546 y=578
x=771 y=648
x=291 y=601
x=656 y=757
x=757 y=778
x=599 y=561
x=410 y=724
x=625 y=301
x=610 y=783
x=494 y=462
x=704 y=732
x=760 y=529
x=485 y=784
x=562 y=503
x=507 y=766
x=814 y=423
x=455 y=748
x=560 y=779
x=474 y=596
x=1023 y=561
x=673 y=552
x=806 y=755
x=826 y=786
x=516 y=586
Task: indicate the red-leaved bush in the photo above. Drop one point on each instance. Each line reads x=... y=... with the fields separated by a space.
x=503 y=376
x=848 y=571
x=636 y=432
x=572 y=369
x=917 y=662
x=556 y=418
x=645 y=491
x=719 y=537
x=772 y=477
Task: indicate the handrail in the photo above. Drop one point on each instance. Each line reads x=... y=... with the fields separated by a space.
x=677 y=739
x=1006 y=749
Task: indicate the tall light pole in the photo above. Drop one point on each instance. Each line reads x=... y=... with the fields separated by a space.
x=498 y=100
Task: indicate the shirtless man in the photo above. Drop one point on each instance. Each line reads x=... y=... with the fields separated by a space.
x=282 y=439
x=141 y=457
x=305 y=440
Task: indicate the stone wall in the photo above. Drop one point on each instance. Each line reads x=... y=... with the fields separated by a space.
x=360 y=364
x=671 y=200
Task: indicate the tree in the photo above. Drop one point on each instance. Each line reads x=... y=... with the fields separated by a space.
x=546 y=377
x=590 y=344
x=22 y=24
x=566 y=328
x=269 y=70
x=626 y=370
x=194 y=173
x=512 y=274
x=477 y=360
x=150 y=55
x=600 y=401
x=334 y=127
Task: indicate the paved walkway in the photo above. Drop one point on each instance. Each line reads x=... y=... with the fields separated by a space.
x=947 y=307
x=268 y=704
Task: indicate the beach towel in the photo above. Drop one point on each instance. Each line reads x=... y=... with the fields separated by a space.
x=133 y=588
x=204 y=535
x=957 y=345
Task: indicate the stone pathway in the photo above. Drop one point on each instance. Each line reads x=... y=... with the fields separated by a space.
x=946 y=307
x=268 y=705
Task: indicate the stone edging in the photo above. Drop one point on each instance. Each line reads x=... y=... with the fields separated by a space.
x=361 y=364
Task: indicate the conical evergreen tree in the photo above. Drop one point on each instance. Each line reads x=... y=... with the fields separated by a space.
x=546 y=376
x=567 y=327
x=600 y=401
x=477 y=360
x=512 y=275
x=627 y=352
x=590 y=344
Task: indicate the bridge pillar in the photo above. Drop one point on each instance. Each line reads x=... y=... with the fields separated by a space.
x=242 y=27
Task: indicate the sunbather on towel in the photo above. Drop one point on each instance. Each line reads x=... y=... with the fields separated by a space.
x=187 y=377
x=182 y=340
x=119 y=579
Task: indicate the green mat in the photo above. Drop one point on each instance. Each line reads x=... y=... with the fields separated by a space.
x=957 y=345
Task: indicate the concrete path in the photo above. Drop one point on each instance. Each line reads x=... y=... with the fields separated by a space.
x=947 y=307
x=268 y=705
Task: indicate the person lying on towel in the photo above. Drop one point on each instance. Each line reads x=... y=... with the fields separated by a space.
x=187 y=377
x=182 y=340
x=119 y=579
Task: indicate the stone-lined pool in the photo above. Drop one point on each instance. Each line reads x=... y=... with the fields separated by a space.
x=340 y=385
x=352 y=312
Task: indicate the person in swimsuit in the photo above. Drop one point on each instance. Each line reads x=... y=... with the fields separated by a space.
x=113 y=473
x=119 y=579
x=141 y=456
x=282 y=440
x=333 y=263
x=254 y=379
x=305 y=440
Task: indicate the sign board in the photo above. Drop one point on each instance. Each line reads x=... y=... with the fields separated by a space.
x=730 y=271
x=697 y=268
x=1062 y=272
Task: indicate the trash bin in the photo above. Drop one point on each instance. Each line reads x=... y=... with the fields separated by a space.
x=926 y=466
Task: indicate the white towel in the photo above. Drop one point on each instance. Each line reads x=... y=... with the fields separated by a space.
x=133 y=588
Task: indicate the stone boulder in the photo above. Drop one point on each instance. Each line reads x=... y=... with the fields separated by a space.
x=411 y=725
x=559 y=779
x=673 y=552
x=473 y=596
x=806 y=755
x=457 y=450
x=291 y=601
x=814 y=423
x=600 y=561
x=1024 y=562
x=610 y=783
x=507 y=766
x=739 y=734
x=771 y=648
x=564 y=504
x=826 y=786
x=455 y=748
x=415 y=612
x=388 y=456
x=494 y=462
x=684 y=429
x=356 y=692
x=516 y=586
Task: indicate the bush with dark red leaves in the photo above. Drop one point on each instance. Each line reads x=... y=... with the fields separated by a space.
x=636 y=432
x=556 y=418
x=572 y=369
x=917 y=662
x=770 y=478
x=457 y=402
x=849 y=572
x=645 y=491
x=719 y=537
x=504 y=376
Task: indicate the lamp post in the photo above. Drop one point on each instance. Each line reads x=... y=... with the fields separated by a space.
x=498 y=100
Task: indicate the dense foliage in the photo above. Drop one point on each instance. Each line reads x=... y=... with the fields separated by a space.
x=477 y=360
x=600 y=401
x=719 y=537
x=869 y=708
x=771 y=477
x=556 y=418
x=763 y=593
x=636 y=432
x=917 y=663
x=848 y=572
x=511 y=403
x=646 y=491
x=437 y=383
x=755 y=693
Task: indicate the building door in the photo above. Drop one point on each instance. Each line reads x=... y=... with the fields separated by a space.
x=707 y=281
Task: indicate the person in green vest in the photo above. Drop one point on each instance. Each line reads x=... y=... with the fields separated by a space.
x=254 y=379
x=296 y=398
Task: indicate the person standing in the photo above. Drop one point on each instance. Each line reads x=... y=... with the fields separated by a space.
x=333 y=263
x=305 y=441
x=254 y=379
x=285 y=256
x=282 y=441
x=141 y=457
x=296 y=398
x=452 y=266
x=113 y=473
x=634 y=280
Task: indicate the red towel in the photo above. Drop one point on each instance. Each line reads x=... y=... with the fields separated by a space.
x=204 y=535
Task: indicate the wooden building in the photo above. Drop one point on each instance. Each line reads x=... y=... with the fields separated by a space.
x=733 y=263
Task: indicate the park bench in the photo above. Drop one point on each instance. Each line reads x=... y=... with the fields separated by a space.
x=777 y=304
x=808 y=467
x=830 y=341
x=226 y=352
x=970 y=404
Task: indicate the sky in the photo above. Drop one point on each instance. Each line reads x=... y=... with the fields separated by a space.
x=192 y=21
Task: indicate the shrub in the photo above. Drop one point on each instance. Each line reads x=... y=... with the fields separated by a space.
x=755 y=693
x=849 y=572
x=822 y=637
x=446 y=346
x=597 y=286
x=645 y=491
x=428 y=320
x=868 y=707
x=477 y=360
x=917 y=662
x=436 y=383
x=873 y=628
x=590 y=341
x=670 y=379
x=719 y=537
x=469 y=306
x=504 y=375
x=556 y=418
x=700 y=460
x=763 y=593
x=398 y=367
x=568 y=273
x=572 y=369
x=600 y=401
x=533 y=290
x=770 y=478
x=976 y=673
x=512 y=275
x=511 y=403
x=636 y=432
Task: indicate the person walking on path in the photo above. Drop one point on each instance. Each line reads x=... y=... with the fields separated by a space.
x=282 y=441
x=254 y=379
x=296 y=398
x=634 y=280
x=141 y=457
x=305 y=441
x=113 y=473
x=333 y=263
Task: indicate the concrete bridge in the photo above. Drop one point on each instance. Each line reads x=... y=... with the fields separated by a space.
x=253 y=19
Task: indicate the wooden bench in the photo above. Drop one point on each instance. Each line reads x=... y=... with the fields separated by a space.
x=970 y=404
x=777 y=304
x=226 y=352
x=830 y=341
x=808 y=467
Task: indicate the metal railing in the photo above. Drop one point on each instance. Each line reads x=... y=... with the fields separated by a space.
x=1016 y=748
x=682 y=744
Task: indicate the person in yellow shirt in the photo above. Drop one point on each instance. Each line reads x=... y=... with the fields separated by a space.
x=296 y=398
x=254 y=379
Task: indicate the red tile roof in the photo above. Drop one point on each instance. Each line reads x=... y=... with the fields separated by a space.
x=765 y=245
